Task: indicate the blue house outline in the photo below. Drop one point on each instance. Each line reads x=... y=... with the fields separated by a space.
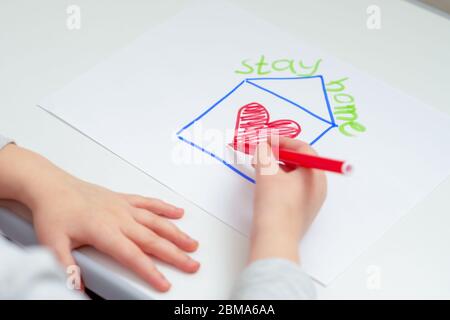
x=254 y=82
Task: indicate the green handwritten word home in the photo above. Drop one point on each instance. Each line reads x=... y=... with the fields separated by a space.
x=344 y=105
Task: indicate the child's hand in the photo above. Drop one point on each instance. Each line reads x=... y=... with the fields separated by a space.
x=69 y=213
x=286 y=202
x=125 y=227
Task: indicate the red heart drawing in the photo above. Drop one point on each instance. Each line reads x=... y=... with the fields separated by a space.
x=252 y=125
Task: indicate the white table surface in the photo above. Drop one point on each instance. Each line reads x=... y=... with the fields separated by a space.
x=411 y=51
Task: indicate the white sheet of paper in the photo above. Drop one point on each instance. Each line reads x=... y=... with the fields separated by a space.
x=137 y=101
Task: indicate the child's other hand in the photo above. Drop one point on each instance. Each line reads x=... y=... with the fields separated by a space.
x=286 y=201
x=69 y=213
x=126 y=227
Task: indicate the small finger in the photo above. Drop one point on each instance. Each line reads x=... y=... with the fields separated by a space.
x=166 y=229
x=265 y=161
x=61 y=247
x=122 y=249
x=156 y=206
x=159 y=247
x=64 y=254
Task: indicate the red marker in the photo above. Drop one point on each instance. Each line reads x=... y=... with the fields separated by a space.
x=303 y=160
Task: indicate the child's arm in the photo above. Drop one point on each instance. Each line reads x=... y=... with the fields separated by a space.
x=69 y=213
x=32 y=273
x=286 y=203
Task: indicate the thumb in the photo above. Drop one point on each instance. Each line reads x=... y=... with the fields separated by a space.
x=264 y=160
x=63 y=251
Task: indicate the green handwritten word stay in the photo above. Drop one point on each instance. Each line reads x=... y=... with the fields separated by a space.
x=344 y=106
x=263 y=67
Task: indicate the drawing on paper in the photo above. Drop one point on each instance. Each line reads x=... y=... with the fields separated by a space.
x=253 y=125
x=300 y=105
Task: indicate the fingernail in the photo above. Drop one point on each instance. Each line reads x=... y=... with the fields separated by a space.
x=194 y=243
x=192 y=263
x=186 y=236
x=166 y=286
x=267 y=164
x=274 y=139
x=265 y=155
x=160 y=275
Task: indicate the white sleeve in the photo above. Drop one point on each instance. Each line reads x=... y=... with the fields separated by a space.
x=31 y=274
x=4 y=141
x=272 y=279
